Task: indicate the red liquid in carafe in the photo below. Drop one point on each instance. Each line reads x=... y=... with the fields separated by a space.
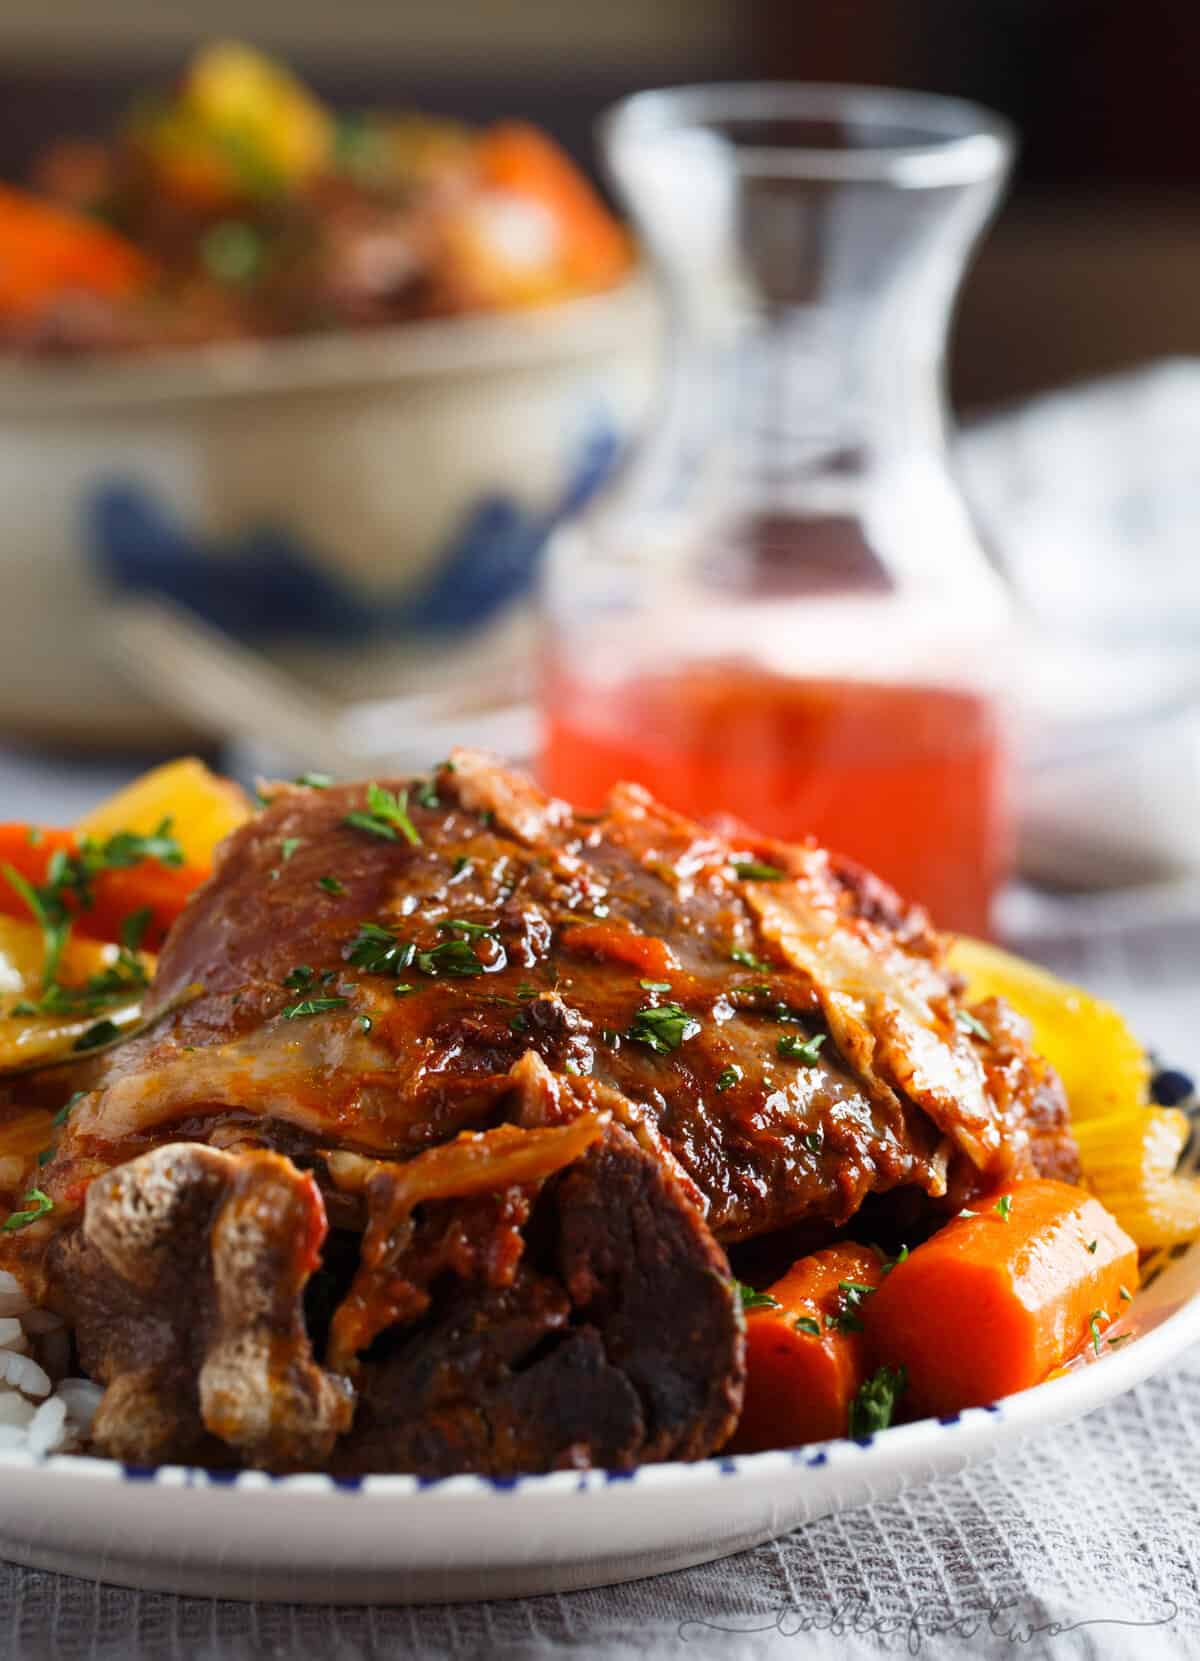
x=909 y=780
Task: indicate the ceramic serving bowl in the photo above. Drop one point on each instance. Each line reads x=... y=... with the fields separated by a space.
x=348 y=503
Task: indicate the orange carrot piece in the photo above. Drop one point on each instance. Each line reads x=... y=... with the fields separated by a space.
x=1001 y=1296
x=46 y=249
x=800 y=1381
x=165 y=889
x=518 y=157
x=606 y=940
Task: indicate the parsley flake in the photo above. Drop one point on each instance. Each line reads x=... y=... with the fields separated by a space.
x=655 y=985
x=749 y=961
x=312 y=1006
x=966 y=1022
x=1126 y=1295
x=386 y=816
x=314 y=781
x=1094 y=1320
x=1092 y=1245
x=60 y=1118
x=452 y=957
x=288 y=847
x=728 y=1077
x=1003 y=1206
x=874 y=1404
x=378 y=951
x=805 y=1323
x=299 y=979
x=100 y=1032
x=331 y=885
x=753 y=870
x=663 y=1027
x=801 y=1049
x=813 y=1140
x=755 y=1300
x=37 y=1205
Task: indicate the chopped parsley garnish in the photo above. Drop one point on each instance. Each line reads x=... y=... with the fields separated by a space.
x=314 y=781
x=378 y=951
x=299 y=979
x=755 y=1300
x=288 y=847
x=1092 y=1245
x=663 y=1027
x=331 y=885
x=386 y=815
x=60 y=1118
x=889 y=1263
x=462 y=862
x=749 y=961
x=813 y=1140
x=728 y=1077
x=403 y=988
x=967 y=1022
x=805 y=1323
x=427 y=795
x=364 y=1023
x=452 y=957
x=519 y=1024
x=37 y=1205
x=753 y=870
x=845 y=1318
x=1119 y=1339
x=312 y=1006
x=133 y=928
x=655 y=985
x=1126 y=1295
x=101 y=1032
x=1094 y=1320
x=801 y=1049
x=1003 y=1206
x=874 y=1404
x=459 y=925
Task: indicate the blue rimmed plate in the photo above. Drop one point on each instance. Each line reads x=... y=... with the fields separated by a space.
x=395 y=1539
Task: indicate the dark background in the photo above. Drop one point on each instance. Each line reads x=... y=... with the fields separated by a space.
x=1092 y=266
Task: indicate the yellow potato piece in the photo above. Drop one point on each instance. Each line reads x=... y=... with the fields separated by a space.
x=1128 y=1149
x=202 y=808
x=248 y=98
x=1100 y=1062
x=25 y=1039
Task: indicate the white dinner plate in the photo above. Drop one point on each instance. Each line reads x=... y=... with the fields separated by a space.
x=396 y=1539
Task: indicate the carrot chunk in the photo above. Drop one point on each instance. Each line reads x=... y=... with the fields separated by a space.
x=806 y=1356
x=163 y=889
x=1001 y=1296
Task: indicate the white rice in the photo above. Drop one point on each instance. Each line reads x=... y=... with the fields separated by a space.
x=41 y=1411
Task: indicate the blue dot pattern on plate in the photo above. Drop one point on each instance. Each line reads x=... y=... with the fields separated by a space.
x=1170 y=1088
x=265 y=583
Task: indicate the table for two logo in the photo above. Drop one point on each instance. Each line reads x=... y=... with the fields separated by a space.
x=1006 y=1621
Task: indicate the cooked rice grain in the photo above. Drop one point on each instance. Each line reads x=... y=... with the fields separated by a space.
x=37 y=1415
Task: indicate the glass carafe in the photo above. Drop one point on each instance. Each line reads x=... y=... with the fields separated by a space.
x=780 y=609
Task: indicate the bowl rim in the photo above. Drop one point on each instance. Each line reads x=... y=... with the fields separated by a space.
x=585 y=326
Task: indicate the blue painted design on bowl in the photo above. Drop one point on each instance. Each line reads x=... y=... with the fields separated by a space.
x=266 y=582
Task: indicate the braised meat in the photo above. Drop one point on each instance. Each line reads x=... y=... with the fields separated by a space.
x=538 y=1064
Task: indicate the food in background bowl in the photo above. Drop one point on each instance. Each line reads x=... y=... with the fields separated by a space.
x=237 y=206
x=453 y=1130
x=326 y=382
